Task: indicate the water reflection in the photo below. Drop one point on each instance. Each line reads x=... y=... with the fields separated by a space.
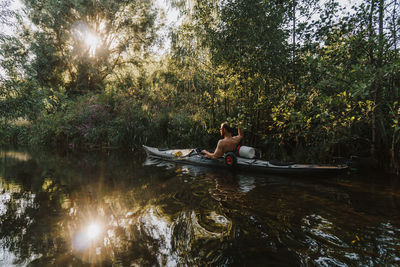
x=18 y=155
x=118 y=210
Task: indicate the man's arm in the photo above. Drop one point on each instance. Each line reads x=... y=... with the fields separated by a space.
x=240 y=135
x=217 y=153
x=240 y=131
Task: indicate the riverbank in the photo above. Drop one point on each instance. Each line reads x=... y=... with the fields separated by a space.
x=101 y=121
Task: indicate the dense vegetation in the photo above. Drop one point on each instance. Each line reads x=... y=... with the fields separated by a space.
x=308 y=79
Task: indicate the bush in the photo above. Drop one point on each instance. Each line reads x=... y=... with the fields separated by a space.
x=11 y=134
x=114 y=120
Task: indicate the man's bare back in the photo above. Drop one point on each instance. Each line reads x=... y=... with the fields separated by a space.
x=229 y=143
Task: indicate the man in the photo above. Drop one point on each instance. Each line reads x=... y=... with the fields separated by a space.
x=227 y=144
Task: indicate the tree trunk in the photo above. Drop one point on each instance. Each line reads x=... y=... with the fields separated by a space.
x=372 y=62
x=213 y=105
x=379 y=138
x=395 y=91
x=294 y=45
x=395 y=149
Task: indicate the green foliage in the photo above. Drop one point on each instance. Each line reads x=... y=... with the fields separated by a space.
x=20 y=99
x=325 y=95
x=303 y=120
x=14 y=134
x=107 y=120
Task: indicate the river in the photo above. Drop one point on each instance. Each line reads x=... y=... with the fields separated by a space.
x=121 y=209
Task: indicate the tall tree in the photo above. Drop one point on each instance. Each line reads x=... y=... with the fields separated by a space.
x=5 y=13
x=5 y=21
x=247 y=47
x=78 y=44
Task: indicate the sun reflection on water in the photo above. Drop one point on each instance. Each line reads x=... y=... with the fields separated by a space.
x=89 y=236
x=93 y=230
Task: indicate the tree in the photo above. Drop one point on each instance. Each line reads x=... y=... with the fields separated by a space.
x=79 y=44
x=244 y=45
x=5 y=16
x=300 y=16
x=5 y=13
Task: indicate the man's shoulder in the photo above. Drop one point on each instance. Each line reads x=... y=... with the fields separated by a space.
x=237 y=137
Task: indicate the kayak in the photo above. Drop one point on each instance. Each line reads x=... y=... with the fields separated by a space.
x=191 y=156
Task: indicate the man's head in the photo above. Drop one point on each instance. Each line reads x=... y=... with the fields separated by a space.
x=225 y=128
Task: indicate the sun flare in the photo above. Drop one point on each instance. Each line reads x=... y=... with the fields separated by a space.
x=85 y=35
x=92 y=40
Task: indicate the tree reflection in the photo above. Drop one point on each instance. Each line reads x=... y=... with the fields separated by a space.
x=46 y=222
x=107 y=211
x=29 y=225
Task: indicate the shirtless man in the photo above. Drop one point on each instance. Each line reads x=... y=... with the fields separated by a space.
x=227 y=144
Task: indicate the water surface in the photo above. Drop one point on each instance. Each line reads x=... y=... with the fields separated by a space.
x=121 y=209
